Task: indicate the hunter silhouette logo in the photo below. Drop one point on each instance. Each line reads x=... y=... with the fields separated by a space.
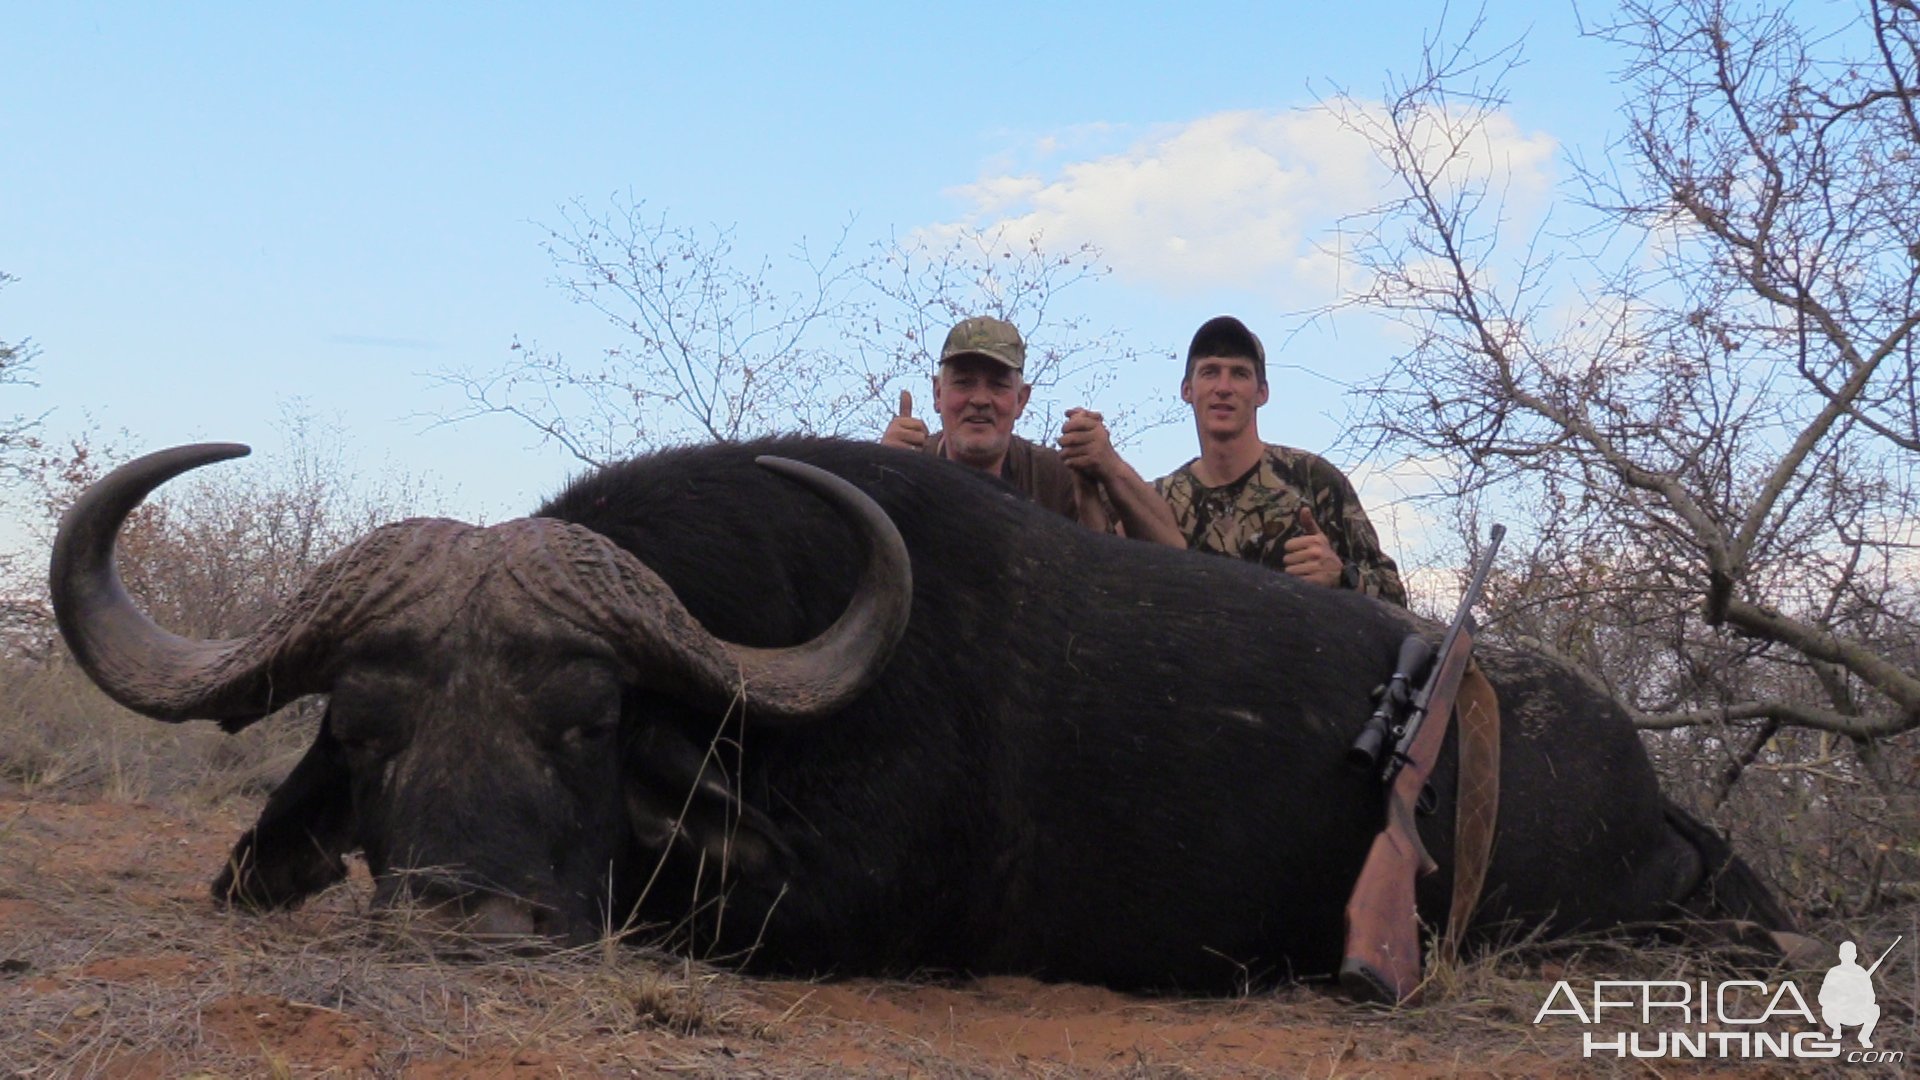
x=1734 y=1019
x=1846 y=994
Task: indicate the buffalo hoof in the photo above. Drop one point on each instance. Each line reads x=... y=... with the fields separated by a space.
x=254 y=880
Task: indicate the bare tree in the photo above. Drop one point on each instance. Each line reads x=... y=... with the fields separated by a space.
x=1721 y=386
x=707 y=348
x=1696 y=387
x=924 y=285
x=711 y=346
x=17 y=438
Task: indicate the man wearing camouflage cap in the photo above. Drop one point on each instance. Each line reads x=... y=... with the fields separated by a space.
x=980 y=391
x=1284 y=508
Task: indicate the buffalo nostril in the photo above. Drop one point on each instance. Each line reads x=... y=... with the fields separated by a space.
x=500 y=917
x=449 y=907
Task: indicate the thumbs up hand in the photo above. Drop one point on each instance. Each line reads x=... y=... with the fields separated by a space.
x=903 y=431
x=1310 y=555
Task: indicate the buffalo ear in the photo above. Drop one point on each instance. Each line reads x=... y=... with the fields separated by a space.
x=676 y=795
x=297 y=847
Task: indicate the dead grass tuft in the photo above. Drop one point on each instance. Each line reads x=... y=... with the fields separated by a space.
x=319 y=989
x=60 y=736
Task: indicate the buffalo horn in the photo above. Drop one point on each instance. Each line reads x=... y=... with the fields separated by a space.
x=819 y=676
x=626 y=603
x=148 y=669
x=163 y=675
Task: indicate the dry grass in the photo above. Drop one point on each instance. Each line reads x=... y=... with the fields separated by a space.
x=140 y=975
x=1492 y=998
x=328 y=987
x=60 y=736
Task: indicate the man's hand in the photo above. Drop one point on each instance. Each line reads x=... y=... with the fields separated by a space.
x=1085 y=445
x=1098 y=469
x=903 y=431
x=1312 y=556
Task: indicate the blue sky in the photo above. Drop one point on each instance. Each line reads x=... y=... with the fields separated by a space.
x=216 y=210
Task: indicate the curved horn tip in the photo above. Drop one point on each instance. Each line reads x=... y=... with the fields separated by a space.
x=149 y=471
x=207 y=452
x=194 y=455
x=823 y=482
x=119 y=647
x=818 y=677
x=786 y=466
x=112 y=498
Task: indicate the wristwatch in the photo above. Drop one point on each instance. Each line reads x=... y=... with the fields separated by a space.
x=1350 y=576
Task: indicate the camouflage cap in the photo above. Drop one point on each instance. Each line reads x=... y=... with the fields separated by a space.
x=984 y=335
x=1225 y=335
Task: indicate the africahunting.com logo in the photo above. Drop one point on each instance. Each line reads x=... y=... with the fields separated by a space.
x=1739 y=1018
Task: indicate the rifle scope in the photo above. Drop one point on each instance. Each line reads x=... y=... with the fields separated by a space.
x=1415 y=653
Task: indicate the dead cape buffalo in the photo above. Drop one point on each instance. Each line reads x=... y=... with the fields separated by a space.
x=729 y=699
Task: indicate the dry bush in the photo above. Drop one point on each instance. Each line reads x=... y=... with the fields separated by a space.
x=210 y=556
x=1839 y=844
x=1691 y=390
x=61 y=737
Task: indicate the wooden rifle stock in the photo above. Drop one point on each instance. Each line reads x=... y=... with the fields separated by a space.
x=1382 y=957
x=1382 y=961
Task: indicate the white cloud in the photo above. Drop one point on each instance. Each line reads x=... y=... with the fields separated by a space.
x=996 y=194
x=1247 y=199
x=1398 y=496
x=1396 y=493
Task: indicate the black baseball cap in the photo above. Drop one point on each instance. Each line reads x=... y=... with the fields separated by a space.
x=1225 y=335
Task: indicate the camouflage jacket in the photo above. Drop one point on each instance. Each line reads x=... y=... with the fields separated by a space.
x=1254 y=517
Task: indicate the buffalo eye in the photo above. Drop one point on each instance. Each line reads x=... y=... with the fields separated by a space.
x=364 y=744
x=361 y=716
x=579 y=703
x=582 y=735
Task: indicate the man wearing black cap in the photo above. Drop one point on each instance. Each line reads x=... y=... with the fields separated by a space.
x=1284 y=508
x=980 y=391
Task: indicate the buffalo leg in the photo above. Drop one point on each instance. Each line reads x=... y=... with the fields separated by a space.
x=1725 y=886
x=296 y=848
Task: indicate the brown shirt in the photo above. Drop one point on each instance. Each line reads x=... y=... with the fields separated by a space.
x=1035 y=471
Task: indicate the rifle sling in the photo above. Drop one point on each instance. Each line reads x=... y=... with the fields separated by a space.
x=1472 y=703
x=1476 y=802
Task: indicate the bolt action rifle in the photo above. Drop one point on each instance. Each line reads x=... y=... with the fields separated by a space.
x=1401 y=741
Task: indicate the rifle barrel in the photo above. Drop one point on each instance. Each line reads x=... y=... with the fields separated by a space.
x=1465 y=611
x=1462 y=616
x=1883 y=956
